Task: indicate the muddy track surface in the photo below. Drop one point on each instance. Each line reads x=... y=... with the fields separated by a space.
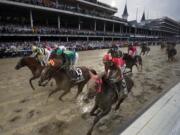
x=27 y=112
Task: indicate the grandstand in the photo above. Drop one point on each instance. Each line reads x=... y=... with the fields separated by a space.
x=69 y=20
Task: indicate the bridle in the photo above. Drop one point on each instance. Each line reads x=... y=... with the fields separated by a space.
x=99 y=82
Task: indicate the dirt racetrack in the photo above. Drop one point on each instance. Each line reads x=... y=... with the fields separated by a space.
x=26 y=112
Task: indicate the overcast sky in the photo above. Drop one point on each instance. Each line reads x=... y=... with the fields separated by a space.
x=153 y=8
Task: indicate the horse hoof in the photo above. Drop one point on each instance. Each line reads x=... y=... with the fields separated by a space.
x=89 y=133
x=61 y=99
x=51 y=84
x=116 y=108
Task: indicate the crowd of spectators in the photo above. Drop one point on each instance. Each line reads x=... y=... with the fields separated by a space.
x=24 y=29
x=13 y=49
x=14 y=29
x=58 y=5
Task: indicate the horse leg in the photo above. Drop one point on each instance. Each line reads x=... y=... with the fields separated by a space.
x=30 y=81
x=80 y=88
x=119 y=102
x=64 y=93
x=93 y=110
x=54 y=91
x=141 y=66
x=131 y=69
x=137 y=67
x=105 y=112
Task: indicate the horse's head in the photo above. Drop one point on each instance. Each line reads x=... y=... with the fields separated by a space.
x=94 y=86
x=21 y=63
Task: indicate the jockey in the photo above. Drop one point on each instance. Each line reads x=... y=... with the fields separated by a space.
x=42 y=54
x=132 y=50
x=119 y=64
x=56 y=50
x=69 y=59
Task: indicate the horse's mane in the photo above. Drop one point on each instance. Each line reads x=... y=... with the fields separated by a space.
x=30 y=58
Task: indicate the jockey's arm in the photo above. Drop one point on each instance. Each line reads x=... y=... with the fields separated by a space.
x=66 y=62
x=34 y=54
x=106 y=69
x=118 y=72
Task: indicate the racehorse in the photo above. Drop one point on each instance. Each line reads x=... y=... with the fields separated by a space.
x=162 y=46
x=145 y=50
x=33 y=64
x=105 y=96
x=171 y=52
x=62 y=78
x=130 y=62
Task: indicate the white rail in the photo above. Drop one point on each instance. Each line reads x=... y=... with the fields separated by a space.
x=163 y=118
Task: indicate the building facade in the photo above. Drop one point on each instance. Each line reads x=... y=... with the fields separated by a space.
x=75 y=19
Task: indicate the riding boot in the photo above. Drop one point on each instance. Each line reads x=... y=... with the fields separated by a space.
x=125 y=91
x=42 y=63
x=71 y=75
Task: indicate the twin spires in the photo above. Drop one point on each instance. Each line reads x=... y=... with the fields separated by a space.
x=125 y=14
x=143 y=17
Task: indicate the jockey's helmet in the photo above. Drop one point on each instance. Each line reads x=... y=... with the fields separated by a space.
x=107 y=58
x=62 y=48
x=34 y=48
x=59 y=52
x=55 y=46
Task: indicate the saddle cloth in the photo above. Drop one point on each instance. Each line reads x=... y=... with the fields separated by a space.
x=77 y=75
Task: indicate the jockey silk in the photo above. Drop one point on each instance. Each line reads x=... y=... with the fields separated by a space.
x=119 y=62
x=132 y=51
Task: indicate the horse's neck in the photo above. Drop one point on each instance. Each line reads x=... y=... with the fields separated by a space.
x=106 y=89
x=33 y=66
x=106 y=94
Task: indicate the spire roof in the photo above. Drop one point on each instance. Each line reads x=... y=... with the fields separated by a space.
x=143 y=17
x=125 y=13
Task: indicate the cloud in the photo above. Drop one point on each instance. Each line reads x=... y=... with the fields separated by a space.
x=153 y=8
